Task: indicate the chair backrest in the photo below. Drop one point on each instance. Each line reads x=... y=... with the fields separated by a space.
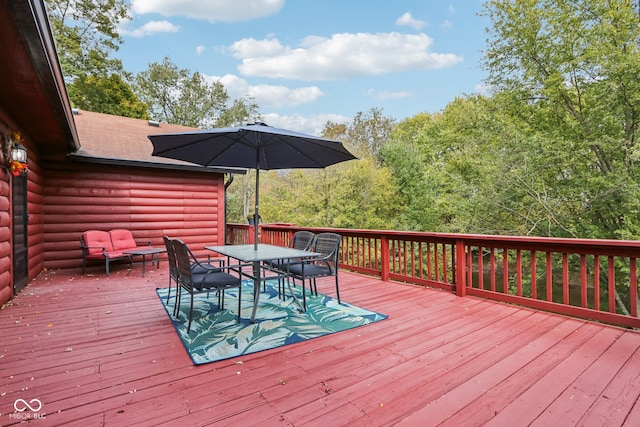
x=328 y=246
x=302 y=240
x=183 y=263
x=122 y=239
x=96 y=240
x=171 y=255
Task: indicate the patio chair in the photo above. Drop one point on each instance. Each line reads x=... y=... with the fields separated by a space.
x=197 y=267
x=195 y=281
x=173 y=267
x=325 y=265
x=302 y=240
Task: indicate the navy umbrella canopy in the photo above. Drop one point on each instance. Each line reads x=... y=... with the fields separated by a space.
x=255 y=146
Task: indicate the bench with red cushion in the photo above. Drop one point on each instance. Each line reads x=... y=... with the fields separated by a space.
x=107 y=246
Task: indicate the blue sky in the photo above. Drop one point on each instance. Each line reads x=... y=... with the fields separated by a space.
x=306 y=62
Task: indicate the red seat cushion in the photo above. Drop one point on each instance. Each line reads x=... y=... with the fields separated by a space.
x=96 y=240
x=122 y=240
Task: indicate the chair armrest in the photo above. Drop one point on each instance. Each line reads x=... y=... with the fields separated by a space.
x=208 y=261
x=85 y=249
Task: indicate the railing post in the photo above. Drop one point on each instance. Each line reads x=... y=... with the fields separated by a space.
x=384 y=249
x=461 y=269
x=251 y=234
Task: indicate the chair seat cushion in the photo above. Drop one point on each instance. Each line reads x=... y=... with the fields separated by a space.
x=111 y=255
x=309 y=270
x=281 y=264
x=215 y=280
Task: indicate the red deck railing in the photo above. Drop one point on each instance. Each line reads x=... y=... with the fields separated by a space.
x=586 y=278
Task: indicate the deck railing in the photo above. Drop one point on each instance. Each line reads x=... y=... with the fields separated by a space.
x=586 y=278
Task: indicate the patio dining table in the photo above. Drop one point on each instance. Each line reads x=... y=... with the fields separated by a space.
x=256 y=255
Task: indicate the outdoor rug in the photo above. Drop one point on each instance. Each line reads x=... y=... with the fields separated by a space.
x=216 y=334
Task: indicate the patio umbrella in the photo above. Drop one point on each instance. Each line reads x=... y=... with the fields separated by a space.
x=254 y=146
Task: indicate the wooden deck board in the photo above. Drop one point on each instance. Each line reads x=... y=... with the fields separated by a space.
x=100 y=351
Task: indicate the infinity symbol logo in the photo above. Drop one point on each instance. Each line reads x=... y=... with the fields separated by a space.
x=24 y=405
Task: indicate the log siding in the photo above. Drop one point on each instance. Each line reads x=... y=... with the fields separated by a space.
x=150 y=203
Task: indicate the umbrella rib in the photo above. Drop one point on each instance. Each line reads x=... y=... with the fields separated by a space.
x=274 y=140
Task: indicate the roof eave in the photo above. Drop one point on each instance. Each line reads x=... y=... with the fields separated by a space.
x=75 y=157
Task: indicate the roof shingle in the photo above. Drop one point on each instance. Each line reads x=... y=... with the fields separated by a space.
x=120 y=138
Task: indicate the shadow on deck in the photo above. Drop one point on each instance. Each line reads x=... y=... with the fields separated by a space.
x=101 y=351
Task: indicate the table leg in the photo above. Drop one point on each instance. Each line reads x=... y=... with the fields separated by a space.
x=303 y=306
x=144 y=262
x=256 y=290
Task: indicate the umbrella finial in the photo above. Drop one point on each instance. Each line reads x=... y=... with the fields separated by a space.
x=258 y=124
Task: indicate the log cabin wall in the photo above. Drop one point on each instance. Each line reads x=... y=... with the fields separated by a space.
x=35 y=212
x=6 y=290
x=149 y=202
x=34 y=229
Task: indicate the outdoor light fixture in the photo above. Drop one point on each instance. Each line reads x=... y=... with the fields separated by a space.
x=18 y=153
x=13 y=155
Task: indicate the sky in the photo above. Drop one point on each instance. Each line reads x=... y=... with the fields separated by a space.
x=306 y=62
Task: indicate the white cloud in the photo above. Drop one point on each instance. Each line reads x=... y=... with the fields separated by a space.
x=384 y=95
x=149 y=29
x=210 y=10
x=200 y=49
x=312 y=125
x=341 y=56
x=268 y=96
x=408 y=20
x=447 y=24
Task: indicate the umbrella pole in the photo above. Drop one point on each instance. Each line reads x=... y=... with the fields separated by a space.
x=256 y=214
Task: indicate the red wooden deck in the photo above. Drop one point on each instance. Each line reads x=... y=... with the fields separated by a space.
x=101 y=351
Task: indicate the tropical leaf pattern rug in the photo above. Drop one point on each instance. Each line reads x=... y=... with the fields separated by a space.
x=216 y=334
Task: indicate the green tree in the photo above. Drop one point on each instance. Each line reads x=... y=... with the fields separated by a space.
x=408 y=167
x=365 y=134
x=241 y=111
x=578 y=63
x=86 y=35
x=177 y=96
x=110 y=95
x=355 y=194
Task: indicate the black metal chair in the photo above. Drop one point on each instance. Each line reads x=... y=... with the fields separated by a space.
x=197 y=267
x=173 y=267
x=198 y=278
x=325 y=265
x=302 y=240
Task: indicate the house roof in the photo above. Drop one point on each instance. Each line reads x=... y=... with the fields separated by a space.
x=33 y=89
x=109 y=139
x=34 y=94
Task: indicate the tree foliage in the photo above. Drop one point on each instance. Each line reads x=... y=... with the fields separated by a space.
x=86 y=35
x=109 y=95
x=366 y=133
x=573 y=67
x=178 y=96
x=86 y=38
x=355 y=194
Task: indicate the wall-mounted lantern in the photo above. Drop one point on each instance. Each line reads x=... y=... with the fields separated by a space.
x=13 y=155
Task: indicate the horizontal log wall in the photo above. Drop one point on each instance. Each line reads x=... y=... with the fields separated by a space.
x=6 y=290
x=34 y=229
x=35 y=210
x=151 y=203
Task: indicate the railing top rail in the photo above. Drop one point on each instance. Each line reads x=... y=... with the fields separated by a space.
x=557 y=244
